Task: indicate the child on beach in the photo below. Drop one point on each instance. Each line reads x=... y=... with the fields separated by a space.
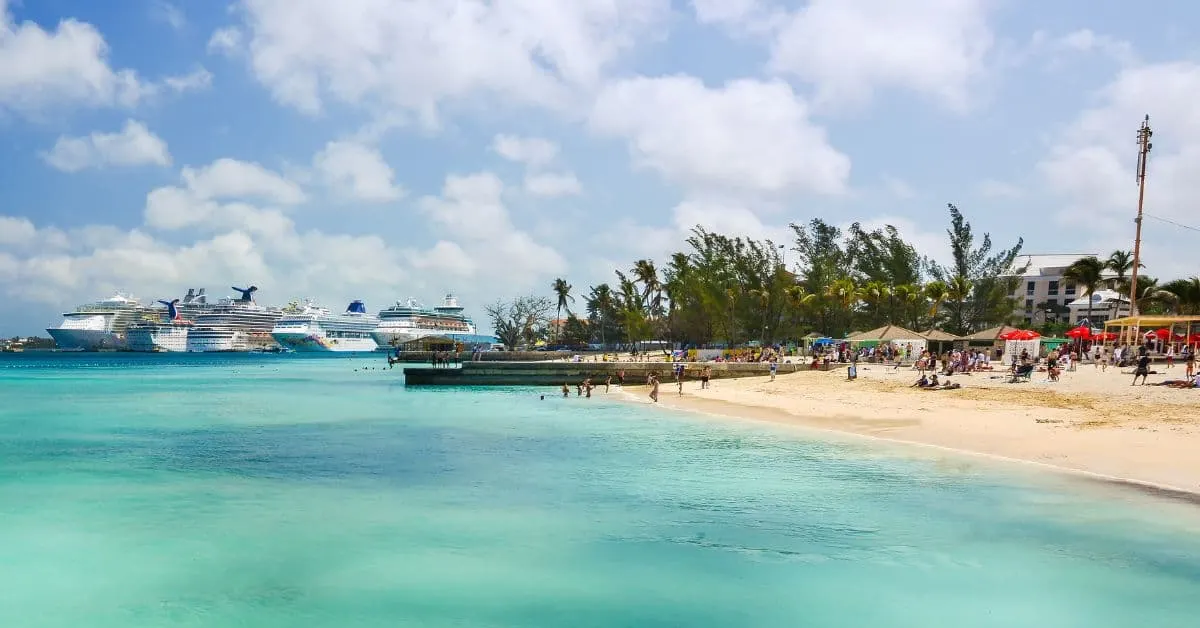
x=774 y=368
x=1143 y=369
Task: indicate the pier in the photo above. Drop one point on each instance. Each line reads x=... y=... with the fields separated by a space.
x=558 y=373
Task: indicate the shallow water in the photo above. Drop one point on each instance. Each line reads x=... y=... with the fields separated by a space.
x=288 y=491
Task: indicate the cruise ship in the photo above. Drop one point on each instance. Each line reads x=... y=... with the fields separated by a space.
x=408 y=321
x=234 y=324
x=100 y=325
x=314 y=328
x=169 y=335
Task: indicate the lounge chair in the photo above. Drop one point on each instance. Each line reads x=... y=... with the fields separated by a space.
x=1023 y=373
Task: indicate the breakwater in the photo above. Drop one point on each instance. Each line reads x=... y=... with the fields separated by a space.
x=560 y=372
x=426 y=357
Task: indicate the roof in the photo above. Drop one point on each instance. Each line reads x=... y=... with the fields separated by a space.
x=887 y=333
x=1051 y=264
x=1151 y=321
x=941 y=336
x=991 y=334
x=1100 y=296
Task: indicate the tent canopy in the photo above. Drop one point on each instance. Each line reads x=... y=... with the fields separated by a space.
x=1151 y=321
x=938 y=335
x=991 y=335
x=887 y=333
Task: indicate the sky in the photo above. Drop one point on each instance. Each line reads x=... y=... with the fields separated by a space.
x=386 y=149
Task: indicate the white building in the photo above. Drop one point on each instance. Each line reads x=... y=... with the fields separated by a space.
x=1042 y=294
x=1106 y=304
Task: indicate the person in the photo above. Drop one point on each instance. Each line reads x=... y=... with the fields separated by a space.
x=621 y=377
x=1190 y=361
x=704 y=375
x=654 y=389
x=774 y=368
x=1143 y=369
x=1170 y=356
x=566 y=390
x=607 y=383
x=921 y=383
x=679 y=385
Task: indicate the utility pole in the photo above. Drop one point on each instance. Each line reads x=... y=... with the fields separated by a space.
x=1144 y=146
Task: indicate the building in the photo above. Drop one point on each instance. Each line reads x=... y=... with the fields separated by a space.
x=1105 y=305
x=1043 y=295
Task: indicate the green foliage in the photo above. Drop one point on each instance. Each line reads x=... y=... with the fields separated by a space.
x=979 y=282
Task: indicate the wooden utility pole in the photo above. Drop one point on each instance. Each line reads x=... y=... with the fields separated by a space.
x=1144 y=146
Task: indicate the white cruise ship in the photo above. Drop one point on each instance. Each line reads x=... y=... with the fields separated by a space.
x=100 y=325
x=314 y=328
x=408 y=321
x=234 y=325
x=167 y=335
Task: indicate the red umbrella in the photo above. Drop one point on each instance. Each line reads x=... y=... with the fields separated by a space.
x=1162 y=333
x=1104 y=336
x=1080 y=333
x=1020 y=334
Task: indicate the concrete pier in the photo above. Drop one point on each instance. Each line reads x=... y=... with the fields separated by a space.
x=559 y=373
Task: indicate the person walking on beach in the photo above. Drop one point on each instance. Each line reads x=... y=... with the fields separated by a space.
x=607 y=383
x=704 y=376
x=1190 y=362
x=774 y=367
x=1170 y=356
x=654 y=389
x=1143 y=369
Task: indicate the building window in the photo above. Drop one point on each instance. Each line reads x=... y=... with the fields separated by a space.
x=1029 y=286
x=1070 y=289
x=1028 y=305
x=1053 y=288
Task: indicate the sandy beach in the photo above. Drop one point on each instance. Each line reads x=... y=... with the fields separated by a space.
x=1090 y=421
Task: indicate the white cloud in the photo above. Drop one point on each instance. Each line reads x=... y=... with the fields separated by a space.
x=1083 y=41
x=553 y=184
x=170 y=14
x=534 y=152
x=1090 y=166
x=898 y=187
x=133 y=145
x=68 y=65
x=15 y=230
x=196 y=80
x=472 y=215
x=849 y=48
x=748 y=136
x=225 y=41
x=415 y=54
x=231 y=178
x=991 y=188
x=357 y=172
x=727 y=219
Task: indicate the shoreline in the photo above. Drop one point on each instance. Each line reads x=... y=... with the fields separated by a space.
x=1087 y=428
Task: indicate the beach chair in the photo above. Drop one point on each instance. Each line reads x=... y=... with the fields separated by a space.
x=1023 y=374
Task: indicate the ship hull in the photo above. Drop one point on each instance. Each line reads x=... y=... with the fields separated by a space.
x=303 y=342
x=166 y=338
x=209 y=341
x=86 y=339
x=387 y=338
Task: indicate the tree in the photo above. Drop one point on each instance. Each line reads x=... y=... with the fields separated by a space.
x=1186 y=293
x=1087 y=273
x=1121 y=262
x=603 y=314
x=990 y=277
x=562 y=291
x=520 y=319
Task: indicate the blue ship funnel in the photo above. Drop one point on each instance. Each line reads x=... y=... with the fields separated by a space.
x=356 y=307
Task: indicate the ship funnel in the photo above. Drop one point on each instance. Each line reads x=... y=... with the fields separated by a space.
x=247 y=293
x=357 y=307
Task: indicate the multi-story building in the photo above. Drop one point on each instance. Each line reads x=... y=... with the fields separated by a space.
x=1043 y=295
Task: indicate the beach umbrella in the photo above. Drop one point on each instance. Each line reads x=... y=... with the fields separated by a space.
x=1020 y=334
x=1079 y=333
x=1160 y=333
x=1104 y=336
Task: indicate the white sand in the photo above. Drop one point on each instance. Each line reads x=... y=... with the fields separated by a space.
x=1090 y=421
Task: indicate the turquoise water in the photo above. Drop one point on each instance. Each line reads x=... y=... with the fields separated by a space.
x=287 y=491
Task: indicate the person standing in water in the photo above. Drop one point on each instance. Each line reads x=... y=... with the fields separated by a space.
x=653 y=389
x=566 y=390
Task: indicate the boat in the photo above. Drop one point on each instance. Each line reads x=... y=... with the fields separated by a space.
x=314 y=328
x=234 y=324
x=407 y=321
x=100 y=325
x=168 y=335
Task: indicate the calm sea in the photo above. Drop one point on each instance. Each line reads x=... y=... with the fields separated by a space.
x=287 y=491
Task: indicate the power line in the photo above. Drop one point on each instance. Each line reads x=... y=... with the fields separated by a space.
x=1172 y=222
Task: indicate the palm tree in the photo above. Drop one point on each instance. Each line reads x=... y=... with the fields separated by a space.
x=906 y=295
x=1087 y=273
x=936 y=292
x=1186 y=293
x=875 y=293
x=1121 y=262
x=645 y=273
x=563 y=290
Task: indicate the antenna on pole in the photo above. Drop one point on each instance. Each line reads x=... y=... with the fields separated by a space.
x=1144 y=134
